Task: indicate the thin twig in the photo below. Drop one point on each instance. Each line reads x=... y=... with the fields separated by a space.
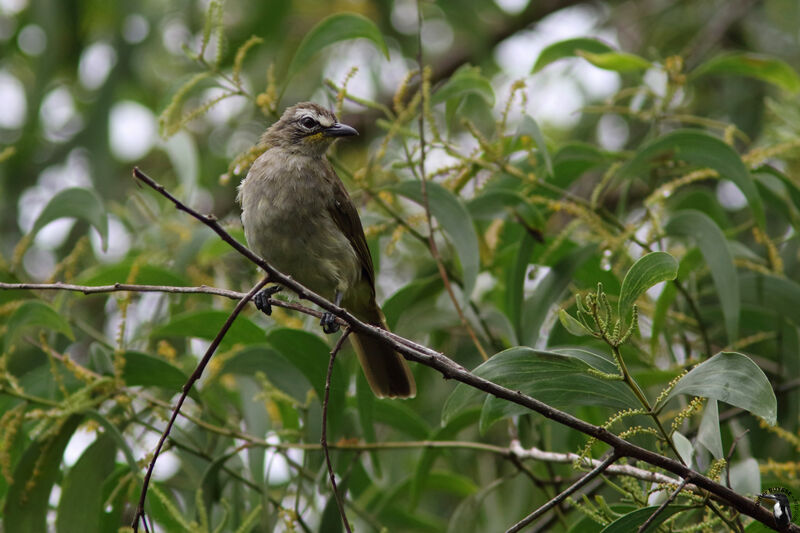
x=425 y=201
x=563 y=495
x=198 y=371
x=661 y=507
x=324 y=439
x=451 y=370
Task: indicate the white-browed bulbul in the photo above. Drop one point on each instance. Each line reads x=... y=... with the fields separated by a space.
x=298 y=216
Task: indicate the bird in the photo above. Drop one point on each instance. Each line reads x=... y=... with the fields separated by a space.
x=298 y=216
x=782 y=510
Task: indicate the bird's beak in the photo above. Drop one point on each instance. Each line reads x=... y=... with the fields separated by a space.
x=769 y=497
x=339 y=130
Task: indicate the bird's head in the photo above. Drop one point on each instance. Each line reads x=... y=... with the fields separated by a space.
x=306 y=128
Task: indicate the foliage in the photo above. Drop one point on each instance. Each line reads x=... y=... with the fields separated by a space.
x=650 y=288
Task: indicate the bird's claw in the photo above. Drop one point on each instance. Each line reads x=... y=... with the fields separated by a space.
x=262 y=299
x=328 y=323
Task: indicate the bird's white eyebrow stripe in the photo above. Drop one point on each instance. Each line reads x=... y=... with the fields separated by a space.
x=322 y=119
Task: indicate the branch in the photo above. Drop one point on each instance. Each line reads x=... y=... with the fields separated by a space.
x=661 y=507
x=324 y=439
x=563 y=495
x=198 y=371
x=451 y=370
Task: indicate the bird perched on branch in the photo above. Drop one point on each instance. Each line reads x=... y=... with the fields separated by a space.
x=298 y=217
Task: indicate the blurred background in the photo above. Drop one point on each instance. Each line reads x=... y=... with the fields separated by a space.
x=91 y=88
x=82 y=84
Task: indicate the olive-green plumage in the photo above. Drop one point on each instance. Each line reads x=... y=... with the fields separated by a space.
x=298 y=216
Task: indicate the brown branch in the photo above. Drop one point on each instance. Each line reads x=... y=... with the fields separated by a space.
x=451 y=370
x=563 y=495
x=198 y=371
x=324 y=438
x=661 y=507
x=425 y=201
x=171 y=289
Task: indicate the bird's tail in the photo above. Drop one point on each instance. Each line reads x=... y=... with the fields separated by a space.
x=386 y=371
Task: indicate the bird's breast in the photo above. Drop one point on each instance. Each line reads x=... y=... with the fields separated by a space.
x=286 y=218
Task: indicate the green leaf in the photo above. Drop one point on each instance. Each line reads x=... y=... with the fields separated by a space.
x=762 y=67
x=146 y=370
x=632 y=521
x=684 y=447
x=746 y=477
x=558 y=379
x=404 y=298
x=712 y=244
x=704 y=150
x=709 y=434
x=81 y=505
x=454 y=218
x=529 y=127
x=616 y=61
x=26 y=506
x=31 y=315
x=537 y=305
x=572 y=160
x=466 y=80
x=206 y=324
x=650 y=269
x=732 y=378
x=571 y=324
x=515 y=282
x=145 y=275
x=779 y=295
x=113 y=432
x=569 y=48
x=335 y=28
x=401 y=417
x=309 y=354
x=429 y=455
x=75 y=202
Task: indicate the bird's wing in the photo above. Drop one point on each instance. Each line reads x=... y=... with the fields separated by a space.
x=345 y=215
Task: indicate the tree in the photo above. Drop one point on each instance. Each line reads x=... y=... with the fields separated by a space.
x=609 y=289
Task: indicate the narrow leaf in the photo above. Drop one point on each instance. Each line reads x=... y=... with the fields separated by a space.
x=684 y=447
x=571 y=324
x=451 y=213
x=81 y=505
x=762 y=67
x=335 y=28
x=704 y=150
x=617 y=61
x=206 y=324
x=647 y=271
x=549 y=291
x=466 y=80
x=557 y=379
x=34 y=314
x=569 y=48
x=26 y=503
x=709 y=434
x=75 y=202
x=633 y=520
x=712 y=244
x=732 y=378
x=146 y=370
x=529 y=127
x=779 y=295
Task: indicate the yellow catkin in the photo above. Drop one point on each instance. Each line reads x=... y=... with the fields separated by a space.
x=772 y=251
x=781 y=433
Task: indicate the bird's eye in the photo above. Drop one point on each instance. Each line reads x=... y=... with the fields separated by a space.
x=308 y=122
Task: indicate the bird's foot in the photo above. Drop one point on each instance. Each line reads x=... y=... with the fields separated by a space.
x=262 y=299
x=328 y=323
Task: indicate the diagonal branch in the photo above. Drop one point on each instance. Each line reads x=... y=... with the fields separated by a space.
x=324 y=439
x=198 y=371
x=596 y=471
x=451 y=370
